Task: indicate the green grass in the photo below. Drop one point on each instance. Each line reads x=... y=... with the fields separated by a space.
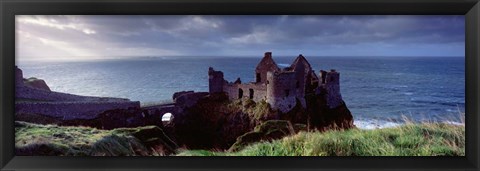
x=426 y=139
x=256 y=110
x=35 y=139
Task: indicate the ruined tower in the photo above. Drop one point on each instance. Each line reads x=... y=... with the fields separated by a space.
x=215 y=81
x=281 y=90
x=332 y=86
x=265 y=65
x=311 y=80
x=302 y=68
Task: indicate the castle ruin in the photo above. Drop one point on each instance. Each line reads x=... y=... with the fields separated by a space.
x=281 y=88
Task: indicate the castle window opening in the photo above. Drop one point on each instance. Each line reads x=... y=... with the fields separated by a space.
x=331 y=79
x=259 y=78
x=298 y=84
x=240 y=93
x=251 y=93
x=287 y=92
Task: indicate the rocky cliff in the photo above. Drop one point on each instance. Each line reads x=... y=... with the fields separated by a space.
x=36 y=83
x=216 y=122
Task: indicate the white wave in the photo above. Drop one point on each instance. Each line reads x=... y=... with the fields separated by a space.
x=375 y=124
x=454 y=123
x=379 y=124
x=284 y=65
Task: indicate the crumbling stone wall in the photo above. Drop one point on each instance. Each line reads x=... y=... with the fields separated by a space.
x=267 y=64
x=300 y=78
x=309 y=82
x=257 y=90
x=215 y=81
x=281 y=90
x=332 y=87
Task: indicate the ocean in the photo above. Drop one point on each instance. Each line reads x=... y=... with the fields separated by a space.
x=379 y=91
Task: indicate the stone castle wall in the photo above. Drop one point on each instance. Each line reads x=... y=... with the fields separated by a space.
x=267 y=64
x=300 y=78
x=332 y=86
x=258 y=90
x=281 y=90
x=71 y=110
x=215 y=81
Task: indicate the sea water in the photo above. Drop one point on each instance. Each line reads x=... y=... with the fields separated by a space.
x=379 y=91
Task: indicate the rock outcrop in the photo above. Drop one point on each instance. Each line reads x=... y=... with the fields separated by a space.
x=36 y=83
x=35 y=102
x=153 y=137
x=215 y=122
x=322 y=117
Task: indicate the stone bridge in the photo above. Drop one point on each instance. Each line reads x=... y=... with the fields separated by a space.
x=181 y=101
x=162 y=109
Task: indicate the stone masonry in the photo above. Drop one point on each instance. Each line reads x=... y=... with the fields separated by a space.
x=281 y=88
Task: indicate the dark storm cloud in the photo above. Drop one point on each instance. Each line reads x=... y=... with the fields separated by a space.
x=366 y=29
x=243 y=35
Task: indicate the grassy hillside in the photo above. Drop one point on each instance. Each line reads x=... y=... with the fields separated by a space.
x=407 y=140
x=35 y=139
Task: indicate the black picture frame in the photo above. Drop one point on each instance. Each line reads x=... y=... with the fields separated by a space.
x=10 y=8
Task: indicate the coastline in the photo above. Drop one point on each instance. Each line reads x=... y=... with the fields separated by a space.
x=380 y=124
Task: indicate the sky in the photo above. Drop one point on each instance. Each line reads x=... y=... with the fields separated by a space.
x=92 y=37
